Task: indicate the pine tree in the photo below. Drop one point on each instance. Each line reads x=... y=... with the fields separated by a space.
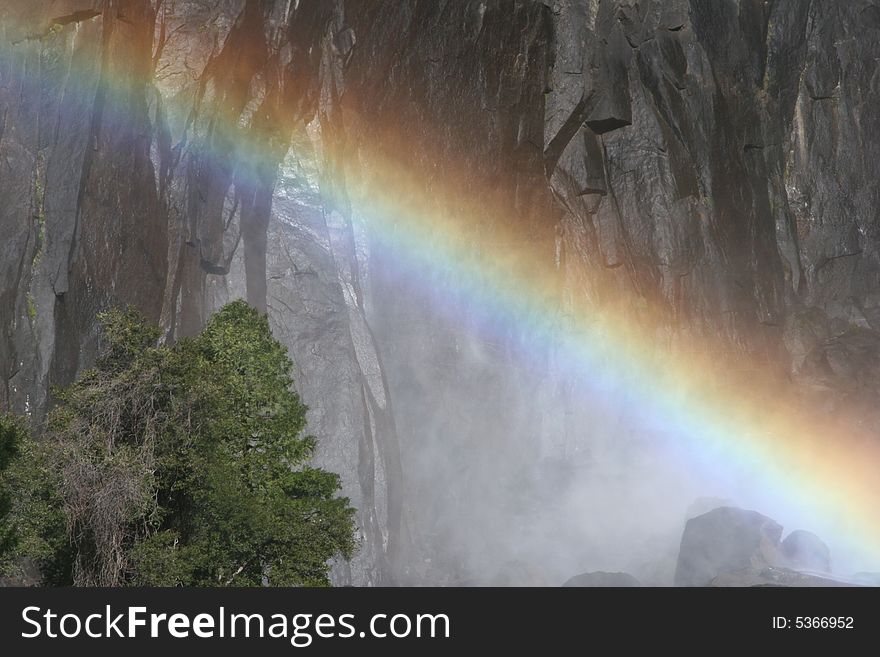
x=186 y=464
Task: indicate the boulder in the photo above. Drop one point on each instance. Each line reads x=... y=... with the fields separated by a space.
x=802 y=550
x=723 y=540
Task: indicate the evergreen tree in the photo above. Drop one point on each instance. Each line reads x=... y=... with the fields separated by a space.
x=187 y=464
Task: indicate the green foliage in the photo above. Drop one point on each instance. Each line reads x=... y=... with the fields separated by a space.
x=32 y=528
x=127 y=337
x=11 y=433
x=186 y=464
x=31 y=307
x=40 y=214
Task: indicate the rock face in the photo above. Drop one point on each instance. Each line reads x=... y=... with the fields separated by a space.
x=715 y=158
x=602 y=579
x=147 y=146
x=81 y=219
x=723 y=540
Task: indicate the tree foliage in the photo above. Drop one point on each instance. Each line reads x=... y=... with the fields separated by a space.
x=11 y=433
x=32 y=537
x=187 y=464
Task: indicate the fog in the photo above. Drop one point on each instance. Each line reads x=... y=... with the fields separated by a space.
x=520 y=466
x=516 y=473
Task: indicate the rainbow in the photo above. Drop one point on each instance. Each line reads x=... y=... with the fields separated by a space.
x=820 y=471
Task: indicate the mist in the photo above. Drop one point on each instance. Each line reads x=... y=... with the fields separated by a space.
x=520 y=472
x=516 y=466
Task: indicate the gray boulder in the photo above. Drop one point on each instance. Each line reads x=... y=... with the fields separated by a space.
x=723 y=540
x=802 y=550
